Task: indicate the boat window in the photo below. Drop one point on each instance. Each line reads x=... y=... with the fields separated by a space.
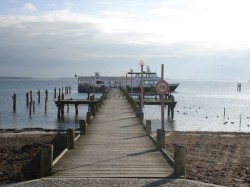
x=99 y=82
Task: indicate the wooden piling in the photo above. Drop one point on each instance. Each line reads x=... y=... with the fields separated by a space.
x=30 y=107
x=33 y=106
x=83 y=127
x=38 y=94
x=70 y=89
x=179 y=160
x=55 y=93
x=46 y=102
x=161 y=138
x=27 y=99
x=46 y=160
x=88 y=118
x=70 y=139
x=59 y=108
x=172 y=112
x=14 y=102
x=148 y=127
x=46 y=94
x=31 y=99
x=67 y=108
x=76 y=109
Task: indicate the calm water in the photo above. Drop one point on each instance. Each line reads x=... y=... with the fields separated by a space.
x=200 y=106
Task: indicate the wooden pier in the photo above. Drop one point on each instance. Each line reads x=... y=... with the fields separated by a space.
x=115 y=146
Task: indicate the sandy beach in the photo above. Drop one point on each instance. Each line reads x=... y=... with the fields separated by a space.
x=218 y=158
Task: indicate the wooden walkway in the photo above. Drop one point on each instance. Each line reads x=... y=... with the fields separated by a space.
x=116 y=146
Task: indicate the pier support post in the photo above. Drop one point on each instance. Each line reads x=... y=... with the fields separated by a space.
x=83 y=127
x=76 y=109
x=88 y=116
x=46 y=160
x=172 y=112
x=55 y=93
x=46 y=101
x=14 y=102
x=179 y=160
x=34 y=106
x=27 y=99
x=38 y=94
x=59 y=108
x=70 y=139
x=161 y=138
x=148 y=127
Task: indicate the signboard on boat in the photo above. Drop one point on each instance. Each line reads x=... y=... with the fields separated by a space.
x=162 y=87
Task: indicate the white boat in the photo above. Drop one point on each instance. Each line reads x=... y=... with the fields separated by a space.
x=98 y=83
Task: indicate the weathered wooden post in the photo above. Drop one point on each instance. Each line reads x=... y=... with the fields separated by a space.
x=33 y=106
x=59 y=108
x=83 y=127
x=179 y=160
x=172 y=112
x=55 y=93
x=27 y=99
x=31 y=99
x=38 y=94
x=46 y=94
x=67 y=108
x=168 y=111
x=148 y=127
x=161 y=138
x=88 y=118
x=224 y=111
x=30 y=107
x=76 y=109
x=70 y=89
x=46 y=101
x=93 y=111
x=59 y=92
x=14 y=102
x=46 y=160
x=70 y=139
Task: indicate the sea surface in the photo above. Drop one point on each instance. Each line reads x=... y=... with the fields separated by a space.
x=200 y=106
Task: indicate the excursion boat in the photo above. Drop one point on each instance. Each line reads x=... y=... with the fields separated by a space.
x=98 y=83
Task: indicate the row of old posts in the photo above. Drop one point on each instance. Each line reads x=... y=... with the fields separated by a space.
x=179 y=160
x=47 y=161
x=30 y=102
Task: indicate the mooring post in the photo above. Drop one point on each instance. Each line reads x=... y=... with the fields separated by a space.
x=27 y=99
x=93 y=110
x=70 y=138
x=70 y=89
x=30 y=107
x=83 y=127
x=172 y=112
x=179 y=160
x=46 y=160
x=76 y=109
x=224 y=111
x=168 y=111
x=67 y=108
x=14 y=102
x=33 y=106
x=31 y=99
x=161 y=138
x=55 y=93
x=38 y=94
x=88 y=118
x=46 y=94
x=46 y=101
x=59 y=92
x=148 y=127
x=58 y=107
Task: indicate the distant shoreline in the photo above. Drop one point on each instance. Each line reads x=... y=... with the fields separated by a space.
x=15 y=77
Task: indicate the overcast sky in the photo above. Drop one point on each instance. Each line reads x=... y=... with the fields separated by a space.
x=194 y=39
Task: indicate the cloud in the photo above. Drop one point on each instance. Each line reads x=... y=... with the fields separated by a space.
x=29 y=7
